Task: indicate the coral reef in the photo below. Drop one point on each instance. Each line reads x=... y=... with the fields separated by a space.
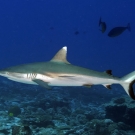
x=30 y=111
x=14 y=111
x=121 y=110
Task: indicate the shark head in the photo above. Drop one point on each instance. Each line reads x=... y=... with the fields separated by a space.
x=29 y=73
x=14 y=76
x=4 y=73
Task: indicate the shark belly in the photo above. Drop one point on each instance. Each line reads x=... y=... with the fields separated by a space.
x=81 y=81
x=65 y=82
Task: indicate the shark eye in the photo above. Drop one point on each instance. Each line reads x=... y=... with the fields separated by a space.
x=7 y=73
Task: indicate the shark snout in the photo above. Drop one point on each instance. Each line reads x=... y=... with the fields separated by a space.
x=4 y=73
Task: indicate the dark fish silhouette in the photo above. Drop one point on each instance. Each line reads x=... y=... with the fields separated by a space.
x=118 y=30
x=103 y=25
x=76 y=32
x=51 y=28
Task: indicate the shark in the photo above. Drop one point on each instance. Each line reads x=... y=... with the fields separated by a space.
x=59 y=72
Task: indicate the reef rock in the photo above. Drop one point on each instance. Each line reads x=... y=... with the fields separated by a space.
x=121 y=110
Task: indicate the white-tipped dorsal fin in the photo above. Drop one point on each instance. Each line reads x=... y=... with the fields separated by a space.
x=61 y=56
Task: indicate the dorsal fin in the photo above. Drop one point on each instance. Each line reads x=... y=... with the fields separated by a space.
x=109 y=72
x=61 y=56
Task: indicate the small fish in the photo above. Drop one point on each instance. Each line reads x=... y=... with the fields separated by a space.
x=103 y=25
x=76 y=32
x=51 y=28
x=118 y=30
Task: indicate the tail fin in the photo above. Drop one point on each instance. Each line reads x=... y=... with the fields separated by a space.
x=128 y=27
x=100 y=21
x=129 y=80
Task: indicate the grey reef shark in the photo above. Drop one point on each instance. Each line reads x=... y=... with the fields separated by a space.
x=59 y=72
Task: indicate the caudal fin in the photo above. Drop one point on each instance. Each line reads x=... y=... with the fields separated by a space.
x=100 y=21
x=127 y=84
x=128 y=27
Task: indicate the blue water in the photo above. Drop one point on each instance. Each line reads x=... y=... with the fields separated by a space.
x=33 y=31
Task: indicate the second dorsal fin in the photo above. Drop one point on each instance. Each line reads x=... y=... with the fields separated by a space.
x=109 y=72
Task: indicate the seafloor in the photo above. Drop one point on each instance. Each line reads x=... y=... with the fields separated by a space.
x=33 y=110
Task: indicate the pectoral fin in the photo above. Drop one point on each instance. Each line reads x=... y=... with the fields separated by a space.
x=87 y=85
x=42 y=83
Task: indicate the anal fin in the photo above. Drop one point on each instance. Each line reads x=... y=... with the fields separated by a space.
x=42 y=83
x=107 y=86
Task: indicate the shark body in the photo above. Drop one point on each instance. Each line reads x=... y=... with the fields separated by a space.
x=59 y=72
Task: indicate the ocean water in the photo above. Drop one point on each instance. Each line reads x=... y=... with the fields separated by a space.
x=33 y=31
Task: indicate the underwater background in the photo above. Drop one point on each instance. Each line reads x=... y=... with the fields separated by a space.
x=33 y=31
